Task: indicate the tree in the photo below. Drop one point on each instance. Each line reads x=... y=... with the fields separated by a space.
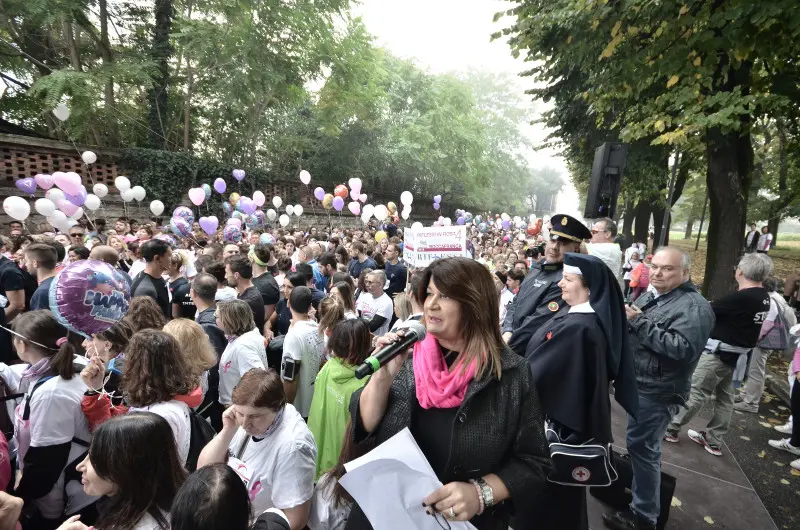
x=700 y=72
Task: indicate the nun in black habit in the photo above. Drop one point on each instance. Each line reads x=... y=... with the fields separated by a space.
x=574 y=357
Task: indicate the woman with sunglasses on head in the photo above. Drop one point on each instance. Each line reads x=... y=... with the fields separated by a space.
x=134 y=463
x=51 y=431
x=468 y=400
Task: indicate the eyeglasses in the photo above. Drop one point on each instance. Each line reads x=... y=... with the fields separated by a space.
x=76 y=235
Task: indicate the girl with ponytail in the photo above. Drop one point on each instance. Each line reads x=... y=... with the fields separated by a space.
x=51 y=432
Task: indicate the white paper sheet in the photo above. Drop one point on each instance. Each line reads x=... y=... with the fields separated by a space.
x=390 y=482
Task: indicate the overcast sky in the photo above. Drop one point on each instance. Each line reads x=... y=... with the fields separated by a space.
x=454 y=35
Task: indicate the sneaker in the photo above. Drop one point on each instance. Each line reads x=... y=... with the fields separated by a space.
x=795 y=464
x=671 y=437
x=626 y=520
x=700 y=438
x=738 y=398
x=786 y=428
x=784 y=445
x=745 y=407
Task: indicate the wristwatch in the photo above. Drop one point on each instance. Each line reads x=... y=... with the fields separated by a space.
x=486 y=492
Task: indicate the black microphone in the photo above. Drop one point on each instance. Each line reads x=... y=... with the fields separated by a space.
x=414 y=332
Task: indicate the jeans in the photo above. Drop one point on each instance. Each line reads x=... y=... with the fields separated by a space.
x=712 y=376
x=644 y=448
x=754 y=387
x=795 y=402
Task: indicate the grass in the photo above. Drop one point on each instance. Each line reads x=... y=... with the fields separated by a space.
x=785 y=256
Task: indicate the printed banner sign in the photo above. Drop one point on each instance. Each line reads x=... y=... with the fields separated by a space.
x=425 y=245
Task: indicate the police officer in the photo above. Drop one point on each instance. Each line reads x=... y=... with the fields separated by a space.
x=539 y=297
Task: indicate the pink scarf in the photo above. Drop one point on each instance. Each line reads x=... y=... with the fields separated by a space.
x=437 y=386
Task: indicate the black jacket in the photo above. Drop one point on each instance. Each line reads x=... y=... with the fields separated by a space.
x=499 y=429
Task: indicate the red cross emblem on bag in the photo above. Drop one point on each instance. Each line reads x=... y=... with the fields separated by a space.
x=581 y=474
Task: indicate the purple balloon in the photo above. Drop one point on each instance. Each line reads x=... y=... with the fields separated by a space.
x=437 y=199
x=238 y=174
x=28 y=185
x=436 y=206
x=232 y=233
x=220 y=186
x=506 y=225
x=78 y=199
x=209 y=224
x=319 y=193
x=338 y=203
x=184 y=213
x=460 y=221
x=260 y=216
x=89 y=296
x=247 y=206
x=180 y=226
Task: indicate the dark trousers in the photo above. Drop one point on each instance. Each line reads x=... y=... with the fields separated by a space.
x=795 y=401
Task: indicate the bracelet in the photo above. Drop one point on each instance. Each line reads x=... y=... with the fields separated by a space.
x=480 y=495
x=486 y=492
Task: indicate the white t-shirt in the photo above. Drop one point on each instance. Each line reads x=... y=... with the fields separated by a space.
x=609 y=253
x=370 y=306
x=506 y=297
x=177 y=415
x=281 y=466
x=56 y=418
x=324 y=514
x=764 y=241
x=136 y=267
x=148 y=522
x=241 y=355
x=639 y=248
x=304 y=343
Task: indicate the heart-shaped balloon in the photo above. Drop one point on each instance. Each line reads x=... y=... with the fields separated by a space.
x=44 y=181
x=247 y=205
x=209 y=224
x=78 y=198
x=28 y=185
x=197 y=196
x=238 y=174
x=67 y=207
x=355 y=184
x=68 y=182
x=362 y=197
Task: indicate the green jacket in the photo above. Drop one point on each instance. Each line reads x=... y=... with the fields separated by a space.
x=329 y=412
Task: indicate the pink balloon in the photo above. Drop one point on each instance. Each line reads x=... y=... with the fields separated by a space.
x=197 y=196
x=354 y=207
x=44 y=181
x=68 y=182
x=362 y=197
x=259 y=198
x=67 y=207
x=354 y=195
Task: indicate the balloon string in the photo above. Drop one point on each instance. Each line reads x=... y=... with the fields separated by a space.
x=313 y=208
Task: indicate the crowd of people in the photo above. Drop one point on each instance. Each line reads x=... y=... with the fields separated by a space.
x=227 y=396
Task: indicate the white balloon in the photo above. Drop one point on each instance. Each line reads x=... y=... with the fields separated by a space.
x=127 y=195
x=61 y=111
x=89 y=157
x=276 y=202
x=157 y=207
x=289 y=209
x=298 y=210
x=58 y=220
x=17 y=207
x=447 y=221
x=71 y=223
x=54 y=194
x=101 y=190
x=122 y=183
x=368 y=210
x=505 y=217
x=417 y=225
x=406 y=214
x=45 y=207
x=381 y=212
x=271 y=214
x=365 y=217
x=138 y=193
x=406 y=198
x=284 y=220
x=305 y=177
x=92 y=202
x=78 y=213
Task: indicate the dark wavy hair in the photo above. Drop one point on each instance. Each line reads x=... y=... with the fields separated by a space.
x=144 y=313
x=213 y=497
x=155 y=369
x=137 y=452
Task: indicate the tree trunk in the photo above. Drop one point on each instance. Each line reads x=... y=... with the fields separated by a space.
x=627 y=221
x=108 y=58
x=687 y=234
x=160 y=53
x=658 y=222
x=783 y=174
x=641 y=225
x=69 y=36
x=730 y=167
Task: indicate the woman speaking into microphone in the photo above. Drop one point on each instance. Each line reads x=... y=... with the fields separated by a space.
x=468 y=400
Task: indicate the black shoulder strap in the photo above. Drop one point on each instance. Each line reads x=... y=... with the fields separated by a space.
x=242 y=447
x=26 y=413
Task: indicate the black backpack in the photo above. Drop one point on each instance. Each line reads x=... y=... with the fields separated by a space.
x=201 y=433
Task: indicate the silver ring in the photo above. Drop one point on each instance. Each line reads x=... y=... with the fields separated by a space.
x=452 y=513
